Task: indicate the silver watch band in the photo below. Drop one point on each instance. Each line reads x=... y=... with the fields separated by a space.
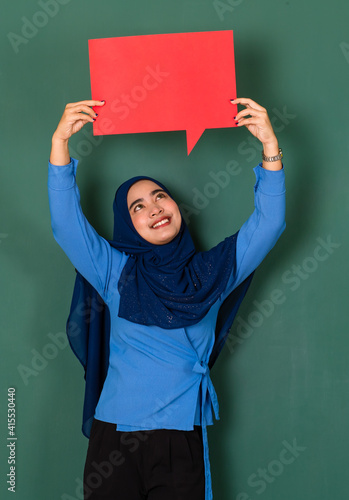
x=273 y=158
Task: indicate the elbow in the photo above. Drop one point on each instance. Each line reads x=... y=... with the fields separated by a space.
x=279 y=227
x=274 y=222
x=274 y=228
x=278 y=220
x=58 y=233
x=282 y=227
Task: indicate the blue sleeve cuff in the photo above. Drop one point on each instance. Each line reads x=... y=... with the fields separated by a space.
x=270 y=182
x=62 y=177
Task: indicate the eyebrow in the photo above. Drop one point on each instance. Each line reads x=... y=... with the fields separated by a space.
x=142 y=199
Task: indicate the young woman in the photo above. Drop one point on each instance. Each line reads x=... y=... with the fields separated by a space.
x=150 y=315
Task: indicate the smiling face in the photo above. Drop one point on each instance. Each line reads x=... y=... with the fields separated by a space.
x=155 y=215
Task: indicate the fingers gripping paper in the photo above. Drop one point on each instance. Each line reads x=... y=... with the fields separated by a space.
x=155 y=83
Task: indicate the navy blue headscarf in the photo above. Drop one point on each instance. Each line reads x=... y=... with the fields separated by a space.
x=170 y=286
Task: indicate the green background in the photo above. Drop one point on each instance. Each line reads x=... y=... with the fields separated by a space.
x=283 y=380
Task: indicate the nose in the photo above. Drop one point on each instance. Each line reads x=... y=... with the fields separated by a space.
x=155 y=210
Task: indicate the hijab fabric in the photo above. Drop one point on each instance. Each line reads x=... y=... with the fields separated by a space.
x=170 y=286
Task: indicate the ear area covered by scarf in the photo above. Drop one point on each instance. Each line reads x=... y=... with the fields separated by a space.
x=171 y=285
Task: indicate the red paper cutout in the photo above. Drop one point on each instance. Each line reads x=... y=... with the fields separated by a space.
x=153 y=83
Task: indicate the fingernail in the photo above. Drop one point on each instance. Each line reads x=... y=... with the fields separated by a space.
x=96 y=114
x=234 y=117
x=103 y=101
x=232 y=100
x=94 y=119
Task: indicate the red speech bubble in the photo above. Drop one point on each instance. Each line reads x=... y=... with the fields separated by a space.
x=155 y=83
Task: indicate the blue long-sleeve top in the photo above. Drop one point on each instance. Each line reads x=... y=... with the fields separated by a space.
x=159 y=378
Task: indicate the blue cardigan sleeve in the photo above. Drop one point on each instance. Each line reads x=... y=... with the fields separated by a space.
x=260 y=232
x=89 y=252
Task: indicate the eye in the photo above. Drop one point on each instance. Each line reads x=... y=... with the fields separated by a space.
x=136 y=207
x=161 y=195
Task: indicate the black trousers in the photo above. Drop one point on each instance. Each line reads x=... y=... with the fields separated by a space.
x=144 y=465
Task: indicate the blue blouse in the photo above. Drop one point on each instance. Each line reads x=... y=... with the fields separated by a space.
x=159 y=378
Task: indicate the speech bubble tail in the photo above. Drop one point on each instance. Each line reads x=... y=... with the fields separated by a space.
x=193 y=135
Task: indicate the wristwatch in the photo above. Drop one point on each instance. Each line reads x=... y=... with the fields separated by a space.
x=273 y=158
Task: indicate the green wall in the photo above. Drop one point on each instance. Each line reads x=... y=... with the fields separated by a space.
x=282 y=380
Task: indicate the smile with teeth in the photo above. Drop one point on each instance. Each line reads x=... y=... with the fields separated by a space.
x=161 y=223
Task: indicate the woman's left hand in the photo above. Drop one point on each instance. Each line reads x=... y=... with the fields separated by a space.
x=258 y=124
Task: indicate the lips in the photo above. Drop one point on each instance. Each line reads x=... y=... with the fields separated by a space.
x=158 y=223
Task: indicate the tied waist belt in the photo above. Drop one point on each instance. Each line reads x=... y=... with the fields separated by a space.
x=207 y=388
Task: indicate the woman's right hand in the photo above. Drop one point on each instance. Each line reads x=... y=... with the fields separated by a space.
x=75 y=116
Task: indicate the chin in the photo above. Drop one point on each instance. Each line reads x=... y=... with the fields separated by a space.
x=165 y=239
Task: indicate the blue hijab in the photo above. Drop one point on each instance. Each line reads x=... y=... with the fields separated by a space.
x=170 y=286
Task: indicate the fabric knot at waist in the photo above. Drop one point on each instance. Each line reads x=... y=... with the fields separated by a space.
x=206 y=387
x=201 y=367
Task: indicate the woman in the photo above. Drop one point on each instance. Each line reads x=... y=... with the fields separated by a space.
x=150 y=315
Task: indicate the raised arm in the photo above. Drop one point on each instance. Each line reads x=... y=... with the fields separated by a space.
x=260 y=232
x=90 y=254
